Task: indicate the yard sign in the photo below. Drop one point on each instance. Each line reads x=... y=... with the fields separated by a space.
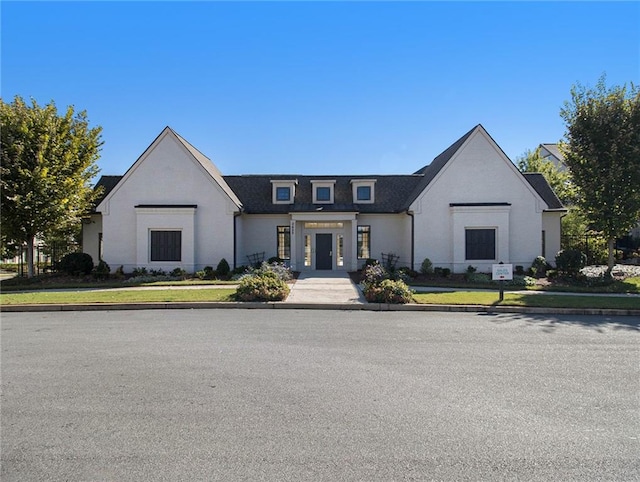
x=502 y=272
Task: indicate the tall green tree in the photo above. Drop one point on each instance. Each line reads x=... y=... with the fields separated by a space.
x=48 y=163
x=559 y=179
x=602 y=151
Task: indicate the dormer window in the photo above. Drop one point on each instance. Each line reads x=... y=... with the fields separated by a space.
x=283 y=191
x=363 y=191
x=323 y=191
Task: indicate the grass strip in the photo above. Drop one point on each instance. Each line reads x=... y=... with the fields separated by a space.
x=118 y=296
x=530 y=300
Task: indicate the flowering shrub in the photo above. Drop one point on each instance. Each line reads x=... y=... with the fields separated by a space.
x=388 y=291
x=379 y=288
x=374 y=273
x=265 y=286
x=282 y=271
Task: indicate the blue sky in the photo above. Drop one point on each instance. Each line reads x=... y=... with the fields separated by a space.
x=315 y=87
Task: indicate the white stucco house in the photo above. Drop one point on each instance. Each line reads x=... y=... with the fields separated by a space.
x=469 y=206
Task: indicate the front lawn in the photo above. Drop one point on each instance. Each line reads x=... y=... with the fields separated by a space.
x=119 y=296
x=484 y=298
x=58 y=282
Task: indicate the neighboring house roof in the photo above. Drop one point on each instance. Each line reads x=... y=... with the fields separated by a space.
x=392 y=193
x=542 y=187
x=553 y=150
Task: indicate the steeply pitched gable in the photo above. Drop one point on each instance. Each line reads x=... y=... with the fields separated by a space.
x=430 y=171
x=196 y=156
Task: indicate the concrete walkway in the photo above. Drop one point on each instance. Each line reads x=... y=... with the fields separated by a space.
x=325 y=287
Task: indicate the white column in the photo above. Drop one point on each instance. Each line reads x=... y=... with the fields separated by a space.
x=354 y=245
x=294 y=251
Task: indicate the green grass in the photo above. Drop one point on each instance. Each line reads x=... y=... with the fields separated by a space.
x=19 y=284
x=118 y=296
x=531 y=300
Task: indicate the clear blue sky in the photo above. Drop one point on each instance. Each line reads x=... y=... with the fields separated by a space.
x=316 y=87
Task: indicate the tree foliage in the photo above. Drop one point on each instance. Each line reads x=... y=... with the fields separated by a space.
x=602 y=151
x=48 y=163
x=559 y=179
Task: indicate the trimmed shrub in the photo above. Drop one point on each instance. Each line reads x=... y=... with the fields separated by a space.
x=470 y=271
x=239 y=270
x=102 y=270
x=178 y=273
x=139 y=272
x=374 y=273
x=570 y=261
x=480 y=278
x=262 y=287
x=370 y=262
x=207 y=273
x=279 y=269
x=426 y=267
x=519 y=270
x=379 y=288
x=446 y=272
x=539 y=267
x=388 y=291
x=408 y=272
x=223 y=268
x=76 y=264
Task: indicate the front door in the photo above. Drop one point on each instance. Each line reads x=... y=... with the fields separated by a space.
x=324 y=254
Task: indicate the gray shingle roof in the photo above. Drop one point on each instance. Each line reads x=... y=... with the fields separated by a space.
x=553 y=149
x=540 y=184
x=255 y=191
x=107 y=183
x=430 y=171
x=392 y=193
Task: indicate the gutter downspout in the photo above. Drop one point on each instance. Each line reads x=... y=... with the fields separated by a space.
x=235 y=236
x=412 y=238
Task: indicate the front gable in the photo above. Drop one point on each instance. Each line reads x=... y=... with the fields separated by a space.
x=169 y=172
x=476 y=171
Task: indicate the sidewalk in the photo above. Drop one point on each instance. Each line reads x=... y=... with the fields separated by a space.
x=325 y=287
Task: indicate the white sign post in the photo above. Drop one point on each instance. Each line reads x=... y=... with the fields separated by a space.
x=501 y=272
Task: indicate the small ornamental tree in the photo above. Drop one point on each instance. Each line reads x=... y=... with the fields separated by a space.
x=602 y=151
x=48 y=161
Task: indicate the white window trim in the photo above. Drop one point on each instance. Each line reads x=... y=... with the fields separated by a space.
x=290 y=183
x=323 y=183
x=356 y=183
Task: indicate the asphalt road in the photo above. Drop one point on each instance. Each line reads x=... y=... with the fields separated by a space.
x=318 y=395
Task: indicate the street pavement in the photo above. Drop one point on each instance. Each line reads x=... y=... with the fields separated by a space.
x=291 y=395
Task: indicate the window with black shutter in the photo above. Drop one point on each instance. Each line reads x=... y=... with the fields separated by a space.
x=166 y=245
x=480 y=244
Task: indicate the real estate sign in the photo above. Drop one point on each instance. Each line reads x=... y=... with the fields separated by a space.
x=502 y=272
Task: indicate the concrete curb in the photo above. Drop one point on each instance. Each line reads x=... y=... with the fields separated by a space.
x=314 y=306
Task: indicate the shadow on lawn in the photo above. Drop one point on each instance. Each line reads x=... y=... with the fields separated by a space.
x=550 y=323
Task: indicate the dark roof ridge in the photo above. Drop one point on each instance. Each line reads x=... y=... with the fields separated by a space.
x=430 y=171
